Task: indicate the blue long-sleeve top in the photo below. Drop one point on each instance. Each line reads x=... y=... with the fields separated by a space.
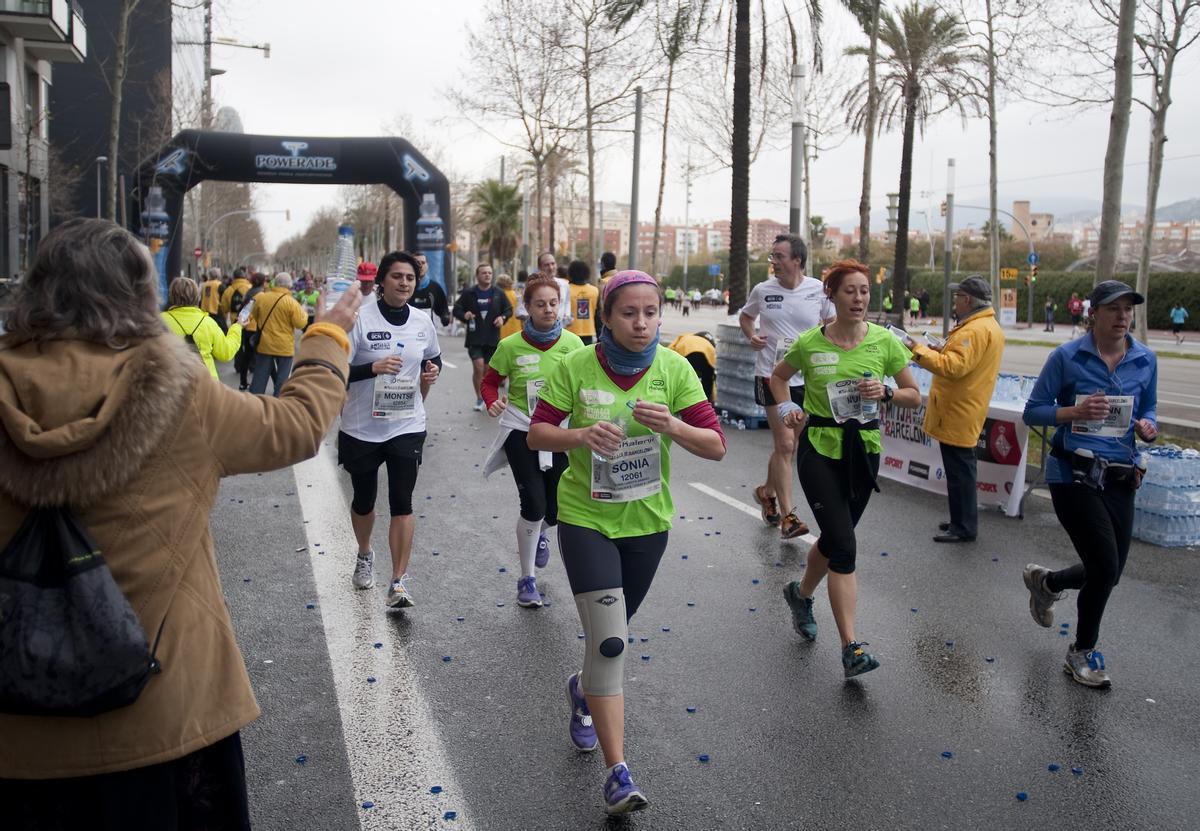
x=1076 y=368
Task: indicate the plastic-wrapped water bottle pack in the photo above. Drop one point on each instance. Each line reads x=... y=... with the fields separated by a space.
x=1167 y=510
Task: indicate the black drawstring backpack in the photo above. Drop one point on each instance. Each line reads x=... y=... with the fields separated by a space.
x=70 y=643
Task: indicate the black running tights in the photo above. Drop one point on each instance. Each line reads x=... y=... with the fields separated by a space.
x=537 y=488
x=594 y=562
x=402 y=478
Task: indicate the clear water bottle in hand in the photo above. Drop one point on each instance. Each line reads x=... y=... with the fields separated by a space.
x=870 y=408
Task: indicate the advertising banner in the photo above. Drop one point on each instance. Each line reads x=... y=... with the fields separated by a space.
x=914 y=458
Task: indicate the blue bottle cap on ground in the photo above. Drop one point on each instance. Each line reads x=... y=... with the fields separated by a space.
x=446 y=659
x=778 y=565
x=1022 y=796
x=690 y=603
x=913 y=610
x=1064 y=626
x=754 y=581
x=691 y=709
x=436 y=789
x=995 y=559
x=301 y=759
x=580 y=636
x=645 y=657
x=1078 y=771
x=666 y=628
x=703 y=757
x=754 y=608
x=435 y=552
x=883 y=553
x=950 y=643
x=245 y=579
x=683 y=557
x=450 y=815
x=631 y=638
x=309 y=606
x=460 y=619
x=498 y=605
x=1053 y=766
x=368 y=805
x=370 y=679
x=990 y=659
x=643 y=640
x=378 y=645
x=503 y=569
x=707 y=534
x=947 y=754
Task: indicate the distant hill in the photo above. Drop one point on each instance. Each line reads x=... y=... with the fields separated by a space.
x=1186 y=211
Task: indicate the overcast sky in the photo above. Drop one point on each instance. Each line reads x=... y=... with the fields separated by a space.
x=348 y=68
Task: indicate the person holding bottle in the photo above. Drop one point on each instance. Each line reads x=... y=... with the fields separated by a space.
x=1100 y=391
x=525 y=359
x=844 y=363
x=629 y=400
x=394 y=360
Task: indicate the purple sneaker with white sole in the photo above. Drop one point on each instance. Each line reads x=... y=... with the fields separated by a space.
x=583 y=734
x=528 y=594
x=620 y=793
x=543 y=551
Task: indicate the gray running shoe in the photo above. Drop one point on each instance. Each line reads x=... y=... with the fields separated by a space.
x=802 y=611
x=364 y=571
x=1086 y=666
x=398 y=596
x=1041 y=599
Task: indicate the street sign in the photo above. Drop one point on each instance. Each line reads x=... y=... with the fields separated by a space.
x=1033 y=258
x=198 y=253
x=1008 y=275
x=714 y=269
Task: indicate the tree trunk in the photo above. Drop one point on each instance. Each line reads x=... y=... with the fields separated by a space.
x=662 y=171
x=1158 y=140
x=864 y=202
x=552 y=248
x=739 y=213
x=994 y=229
x=539 y=166
x=589 y=125
x=806 y=232
x=900 y=266
x=1114 y=156
x=120 y=69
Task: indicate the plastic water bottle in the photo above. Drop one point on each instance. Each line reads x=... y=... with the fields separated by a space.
x=870 y=409
x=622 y=422
x=343 y=267
x=431 y=238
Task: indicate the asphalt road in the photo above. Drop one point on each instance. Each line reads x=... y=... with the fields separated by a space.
x=369 y=700
x=1178 y=378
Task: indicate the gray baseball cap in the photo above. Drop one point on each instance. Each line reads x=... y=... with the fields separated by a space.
x=975 y=286
x=1110 y=290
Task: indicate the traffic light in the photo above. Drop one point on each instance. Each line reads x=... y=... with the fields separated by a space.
x=1033 y=272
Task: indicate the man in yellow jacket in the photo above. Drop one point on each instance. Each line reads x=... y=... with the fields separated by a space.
x=235 y=294
x=277 y=316
x=210 y=297
x=964 y=371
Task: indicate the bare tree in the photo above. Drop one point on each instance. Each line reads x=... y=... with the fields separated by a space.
x=117 y=85
x=1118 y=132
x=1170 y=34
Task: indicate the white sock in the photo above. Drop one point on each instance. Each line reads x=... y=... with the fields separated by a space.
x=527 y=540
x=620 y=764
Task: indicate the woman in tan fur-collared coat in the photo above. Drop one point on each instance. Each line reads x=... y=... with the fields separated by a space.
x=103 y=411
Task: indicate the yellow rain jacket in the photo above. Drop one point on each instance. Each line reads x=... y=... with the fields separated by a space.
x=212 y=344
x=278 y=329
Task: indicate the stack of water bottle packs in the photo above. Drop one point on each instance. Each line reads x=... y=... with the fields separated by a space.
x=1167 y=511
x=735 y=376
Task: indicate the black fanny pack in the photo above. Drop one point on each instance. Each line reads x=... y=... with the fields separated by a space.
x=1097 y=472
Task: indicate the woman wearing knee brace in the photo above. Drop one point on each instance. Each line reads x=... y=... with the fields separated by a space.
x=1101 y=392
x=837 y=456
x=525 y=359
x=628 y=400
x=394 y=359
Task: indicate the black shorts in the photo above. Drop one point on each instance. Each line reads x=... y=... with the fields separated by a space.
x=763 y=397
x=1075 y=319
x=358 y=456
x=485 y=353
x=1176 y=328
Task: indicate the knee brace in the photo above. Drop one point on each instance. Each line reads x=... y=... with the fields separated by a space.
x=602 y=614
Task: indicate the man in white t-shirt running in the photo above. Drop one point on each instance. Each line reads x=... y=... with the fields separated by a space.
x=784 y=305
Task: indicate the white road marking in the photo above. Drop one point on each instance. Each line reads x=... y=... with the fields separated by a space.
x=447 y=364
x=752 y=510
x=394 y=750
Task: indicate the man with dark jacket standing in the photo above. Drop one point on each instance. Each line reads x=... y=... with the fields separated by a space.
x=964 y=369
x=483 y=308
x=429 y=295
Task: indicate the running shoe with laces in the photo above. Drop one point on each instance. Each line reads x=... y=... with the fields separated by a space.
x=802 y=611
x=856 y=660
x=528 y=594
x=543 y=551
x=479 y=405
x=583 y=733
x=364 y=570
x=621 y=795
x=1041 y=599
x=791 y=527
x=398 y=596
x=1086 y=666
x=767 y=505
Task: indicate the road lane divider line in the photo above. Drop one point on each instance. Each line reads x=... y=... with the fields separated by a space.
x=394 y=749
x=449 y=365
x=752 y=510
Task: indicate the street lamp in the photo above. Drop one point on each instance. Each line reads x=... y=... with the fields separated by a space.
x=100 y=160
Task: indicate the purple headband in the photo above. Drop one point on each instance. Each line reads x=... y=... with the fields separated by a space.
x=624 y=278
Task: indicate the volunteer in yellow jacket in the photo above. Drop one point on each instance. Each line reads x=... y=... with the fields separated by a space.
x=964 y=370
x=277 y=317
x=513 y=324
x=584 y=299
x=837 y=456
x=629 y=400
x=186 y=319
x=524 y=360
x=210 y=297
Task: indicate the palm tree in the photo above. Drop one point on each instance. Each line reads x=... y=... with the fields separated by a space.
x=925 y=69
x=495 y=212
x=867 y=12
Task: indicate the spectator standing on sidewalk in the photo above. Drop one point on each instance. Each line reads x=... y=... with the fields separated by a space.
x=1051 y=307
x=277 y=317
x=964 y=369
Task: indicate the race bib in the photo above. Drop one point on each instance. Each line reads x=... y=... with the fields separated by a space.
x=532 y=388
x=844 y=401
x=782 y=347
x=633 y=472
x=1115 y=424
x=395 y=397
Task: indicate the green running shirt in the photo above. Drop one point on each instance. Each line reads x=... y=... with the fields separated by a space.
x=526 y=367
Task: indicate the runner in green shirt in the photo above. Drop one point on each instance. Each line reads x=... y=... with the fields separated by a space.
x=524 y=359
x=837 y=455
x=629 y=400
